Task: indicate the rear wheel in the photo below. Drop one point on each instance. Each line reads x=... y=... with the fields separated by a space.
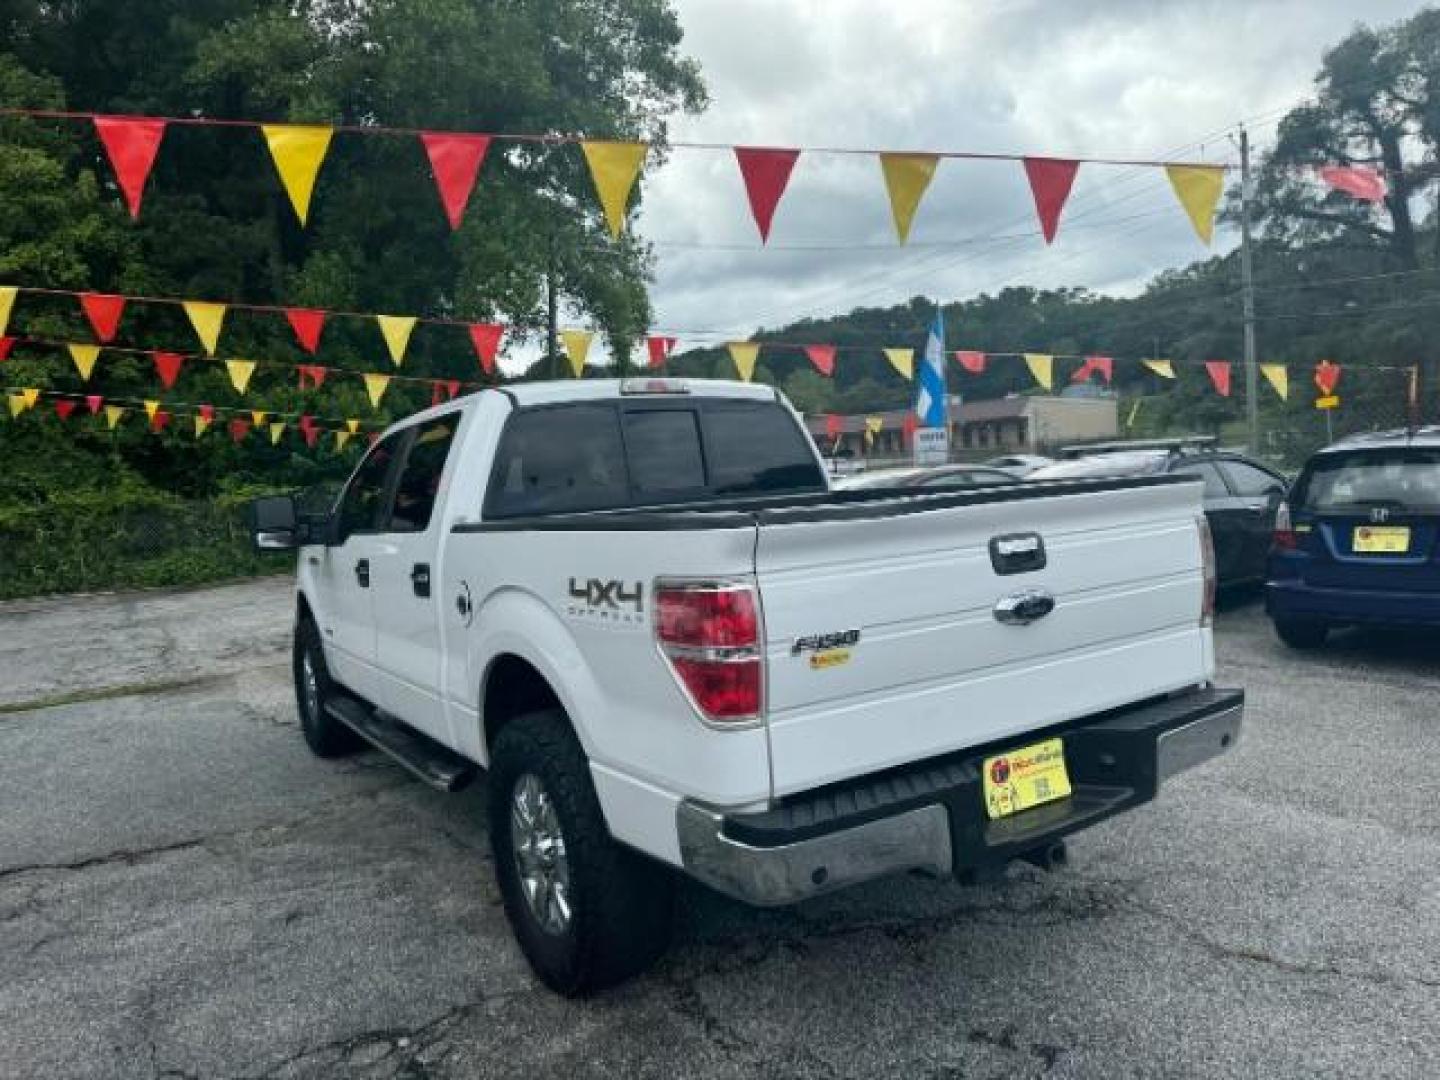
x=586 y=911
x=325 y=735
x=1302 y=633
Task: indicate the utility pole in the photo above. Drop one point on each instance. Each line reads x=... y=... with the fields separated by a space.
x=551 y=313
x=1247 y=276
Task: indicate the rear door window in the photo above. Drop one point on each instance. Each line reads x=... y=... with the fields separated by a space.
x=755 y=448
x=560 y=459
x=1405 y=479
x=1250 y=480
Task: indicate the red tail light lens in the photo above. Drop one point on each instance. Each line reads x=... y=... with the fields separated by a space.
x=1207 y=570
x=1284 y=538
x=709 y=633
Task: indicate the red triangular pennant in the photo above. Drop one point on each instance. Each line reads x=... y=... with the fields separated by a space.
x=1219 y=375
x=64 y=407
x=6 y=344
x=1359 y=182
x=1327 y=377
x=832 y=426
x=158 y=419
x=455 y=161
x=103 y=311
x=660 y=348
x=167 y=366
x=93 y=402
x=823 y=357
x=207 y=413
x=435 y=388
x=1104 y=365
x=452 y=387
x=486 y=339
x=307 y=324
x=908 y=426
x=973 y=362
x=1050 y=180
x=311 y=374
x=309 y=430
x=131 y=143
x=765 y=172
x=239 y=428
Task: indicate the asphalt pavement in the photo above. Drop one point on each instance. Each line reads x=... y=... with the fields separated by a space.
x=185 y=892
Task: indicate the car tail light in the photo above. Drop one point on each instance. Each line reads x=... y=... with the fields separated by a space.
x=709 y=634
x=1207 y=572
x=1284 y=538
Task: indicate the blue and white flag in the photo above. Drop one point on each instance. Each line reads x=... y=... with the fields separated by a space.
x=930 y=400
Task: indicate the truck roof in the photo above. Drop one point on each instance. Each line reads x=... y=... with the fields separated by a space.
x=557 y=390
x=1427 y=437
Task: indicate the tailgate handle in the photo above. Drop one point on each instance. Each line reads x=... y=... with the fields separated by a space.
x=1017 y=553
x=1019 y=609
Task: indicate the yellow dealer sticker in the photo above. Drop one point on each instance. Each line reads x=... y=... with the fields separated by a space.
x=1025 y=777
x=829 y=658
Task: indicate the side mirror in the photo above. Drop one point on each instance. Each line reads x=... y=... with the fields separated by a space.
x=274 y=524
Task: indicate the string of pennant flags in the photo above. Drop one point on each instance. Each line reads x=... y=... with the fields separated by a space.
x=298 y=151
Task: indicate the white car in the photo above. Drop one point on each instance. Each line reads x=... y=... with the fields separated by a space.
x=641 y=609
x=1020 y=464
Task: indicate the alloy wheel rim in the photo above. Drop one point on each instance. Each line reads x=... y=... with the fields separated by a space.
x=539 y=848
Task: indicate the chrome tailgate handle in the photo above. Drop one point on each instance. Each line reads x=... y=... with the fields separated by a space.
x=1021 y=608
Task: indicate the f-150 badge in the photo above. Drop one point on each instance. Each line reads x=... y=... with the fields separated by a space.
x=610 y=602
x=836 y=639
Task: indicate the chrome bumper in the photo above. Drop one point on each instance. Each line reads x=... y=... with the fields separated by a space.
x=923 y=837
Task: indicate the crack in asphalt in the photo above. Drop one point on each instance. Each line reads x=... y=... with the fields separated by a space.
x=125 y=856
x=135 y=689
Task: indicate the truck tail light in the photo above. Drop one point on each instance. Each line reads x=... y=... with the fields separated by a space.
x=709 y=634
x=1207 y=572
x=1284 y=538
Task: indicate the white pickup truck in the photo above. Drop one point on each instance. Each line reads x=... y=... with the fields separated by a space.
x=639 y=607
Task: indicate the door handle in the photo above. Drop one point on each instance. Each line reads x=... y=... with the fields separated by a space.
x=362 y=572
x=420 y=578
x=1023 y=608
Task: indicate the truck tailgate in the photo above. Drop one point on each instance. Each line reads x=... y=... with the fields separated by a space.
x=933 y=669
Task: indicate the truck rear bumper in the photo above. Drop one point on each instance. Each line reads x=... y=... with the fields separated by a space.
x=931 y=816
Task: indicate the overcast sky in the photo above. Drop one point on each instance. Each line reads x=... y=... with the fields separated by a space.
x=1080 y=78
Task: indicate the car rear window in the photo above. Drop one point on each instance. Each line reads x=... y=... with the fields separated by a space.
x=1394 y=479
x=607 y=455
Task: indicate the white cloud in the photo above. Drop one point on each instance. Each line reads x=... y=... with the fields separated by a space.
x=1084 y=78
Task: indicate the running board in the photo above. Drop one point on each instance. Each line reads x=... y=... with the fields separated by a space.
x=441 y=768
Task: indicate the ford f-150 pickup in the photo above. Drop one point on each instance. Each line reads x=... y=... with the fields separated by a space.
x=639 y=608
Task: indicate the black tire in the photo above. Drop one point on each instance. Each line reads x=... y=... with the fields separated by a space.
x=325 y=735
x=620 y=902
x=1302 y=633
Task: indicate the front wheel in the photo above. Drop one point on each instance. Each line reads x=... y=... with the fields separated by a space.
x=1302 y=633
x=587 y=912
x=325 y=735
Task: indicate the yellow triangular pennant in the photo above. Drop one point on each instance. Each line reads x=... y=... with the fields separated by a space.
x=1042 y=367
x=375 y=386
x=17 y=404
x=151 y=408
x=276 y=430
x=341 y=438
x=397 y=330
x=1198 y=188
x=352 y=426
x=745 y=354
x=7 y=304
x=31 y=394
x=873 y=426
x=207 y=319
x=577 y=347
x=614 y=167
x=84 y=357
x=1163 y=368
x=201 y=425
x=1278 y=377
x=297 y=150
x=257 y=417
x=1134 y=412
x=902 y=360
x=113 y=413
x=906 y=178
x=240 y=372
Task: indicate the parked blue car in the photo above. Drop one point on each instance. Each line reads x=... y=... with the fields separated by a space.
x=1358 y=541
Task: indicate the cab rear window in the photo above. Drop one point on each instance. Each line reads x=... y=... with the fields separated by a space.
x=1392 y=479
